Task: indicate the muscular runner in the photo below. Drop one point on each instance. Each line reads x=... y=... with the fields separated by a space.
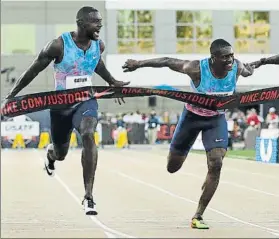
x=216 y=75
x=76 y=56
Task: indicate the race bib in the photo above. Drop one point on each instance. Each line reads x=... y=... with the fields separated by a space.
x=220 y=93
x=78 y=81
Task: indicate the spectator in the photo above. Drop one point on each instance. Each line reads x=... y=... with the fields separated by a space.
x=153 y=125
x=127 y=118
x=137 y=117
x=119 y=121
x=253 y=116
x=272 y=119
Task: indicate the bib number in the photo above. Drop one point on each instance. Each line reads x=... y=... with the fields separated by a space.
x=220 y=93
x=78 y=81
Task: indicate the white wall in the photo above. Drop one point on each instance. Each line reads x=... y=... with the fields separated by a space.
x=261 y=5
x=263 y=77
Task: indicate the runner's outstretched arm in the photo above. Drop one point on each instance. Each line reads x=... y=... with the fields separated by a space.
x=49 y=53
x=273 y=60
x=182 y=66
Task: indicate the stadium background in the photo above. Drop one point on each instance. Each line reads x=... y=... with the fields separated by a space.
x=141 y=30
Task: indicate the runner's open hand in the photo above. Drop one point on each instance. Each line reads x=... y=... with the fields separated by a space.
x=249 y=68
x=130 y=65
x=117 y=83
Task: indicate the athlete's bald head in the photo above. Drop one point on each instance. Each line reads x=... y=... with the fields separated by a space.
x=218 y=45
x=85 y=12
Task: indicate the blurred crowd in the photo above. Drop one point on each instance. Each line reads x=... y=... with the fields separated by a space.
x=152 y=121
x=139 y=117
x=251 y=121
x=240 y=123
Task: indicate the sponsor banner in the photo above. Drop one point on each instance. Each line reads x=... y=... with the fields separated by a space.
x=26 y=128
x=267 y=150
x=66 y=98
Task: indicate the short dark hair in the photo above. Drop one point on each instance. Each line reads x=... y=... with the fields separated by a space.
x=83 y=13
x=218 y=44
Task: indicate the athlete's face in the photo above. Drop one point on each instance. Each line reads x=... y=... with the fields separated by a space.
x=224 y=59
x=93 y=25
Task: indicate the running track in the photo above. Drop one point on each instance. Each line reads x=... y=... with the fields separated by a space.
x=135 y=197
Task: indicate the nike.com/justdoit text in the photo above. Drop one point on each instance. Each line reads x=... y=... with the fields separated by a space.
x=45 y=101
x=259 y=96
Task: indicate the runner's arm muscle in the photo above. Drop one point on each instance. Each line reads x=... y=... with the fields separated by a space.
x=101 y=68
x=49 y=53
x=182 y=66
x=273 y=60
x=172 y=63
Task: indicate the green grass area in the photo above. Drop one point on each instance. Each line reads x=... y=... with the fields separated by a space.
x=245 y=154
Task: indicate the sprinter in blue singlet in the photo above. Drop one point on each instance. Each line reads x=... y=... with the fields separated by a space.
x=76 y=56
x=216 y=75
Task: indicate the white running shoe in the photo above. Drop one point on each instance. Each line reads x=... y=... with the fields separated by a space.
x=49 y=164
x=89 y=207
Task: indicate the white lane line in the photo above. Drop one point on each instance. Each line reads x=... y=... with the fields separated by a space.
x=269 y=230
x=234 y=184
x=230 y=168
x=93 y=218
x=137 y=161
x=110 y=235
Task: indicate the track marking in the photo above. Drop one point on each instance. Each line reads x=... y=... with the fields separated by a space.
x=269 y=230
x=234 y=184
x=94 y=219
x=138 y=161
x=163 y=154
x=110 y=233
